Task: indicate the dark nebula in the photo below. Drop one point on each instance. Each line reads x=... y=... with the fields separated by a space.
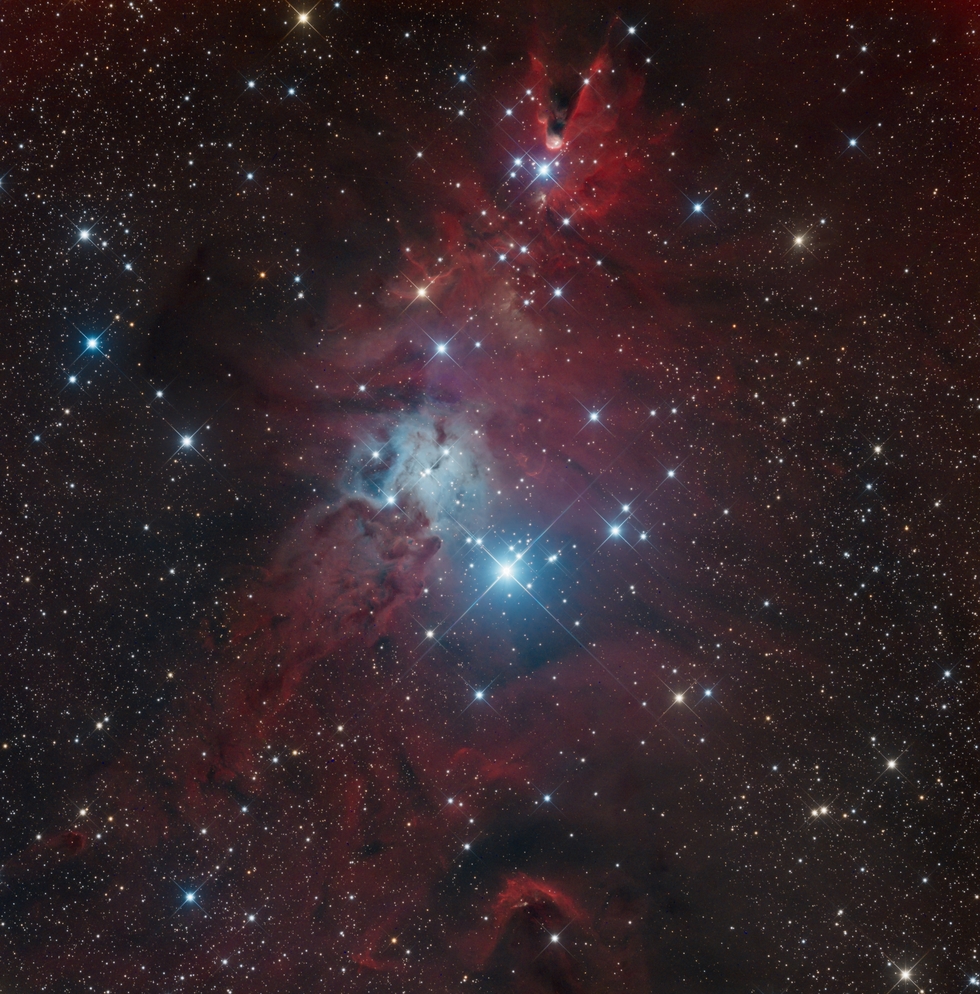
x=488 y=498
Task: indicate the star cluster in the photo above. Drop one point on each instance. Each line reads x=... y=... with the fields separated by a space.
x=489 y=498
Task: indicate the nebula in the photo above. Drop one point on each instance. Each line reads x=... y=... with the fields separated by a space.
x=533 y=461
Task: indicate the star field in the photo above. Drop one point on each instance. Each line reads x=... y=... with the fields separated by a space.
x=489 y=498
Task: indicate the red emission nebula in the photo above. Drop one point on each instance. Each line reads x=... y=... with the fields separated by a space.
x=541 y=364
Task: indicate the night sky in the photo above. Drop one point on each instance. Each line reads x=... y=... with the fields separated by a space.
x=489 y=497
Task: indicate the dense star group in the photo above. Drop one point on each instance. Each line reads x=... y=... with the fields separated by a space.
x=489 y=498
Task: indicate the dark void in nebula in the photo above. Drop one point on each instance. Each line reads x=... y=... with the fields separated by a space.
x=490 y=499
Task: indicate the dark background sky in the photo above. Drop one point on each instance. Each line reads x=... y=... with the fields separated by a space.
x=489 y=498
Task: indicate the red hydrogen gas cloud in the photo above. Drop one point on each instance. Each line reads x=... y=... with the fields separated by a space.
x=447 y=736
